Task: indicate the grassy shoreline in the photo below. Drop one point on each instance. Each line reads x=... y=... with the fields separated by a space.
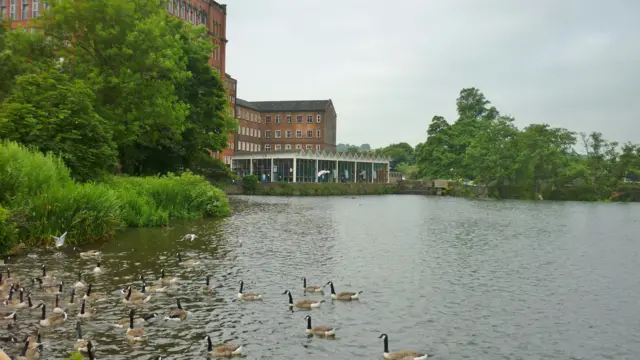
x=38 y=198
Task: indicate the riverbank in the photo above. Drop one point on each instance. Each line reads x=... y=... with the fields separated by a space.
x=40 y=199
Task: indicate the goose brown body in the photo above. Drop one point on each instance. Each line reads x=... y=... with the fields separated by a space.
x=132 y=333
x=177 y=314
x=247 y=296
x=344 y=295
x=224 y=350
x=53 y=319
x=311 y=288
x=323 y=330
x=304 y=303
x=402 y=354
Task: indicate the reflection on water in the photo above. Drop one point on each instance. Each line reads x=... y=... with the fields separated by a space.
x=459 y=279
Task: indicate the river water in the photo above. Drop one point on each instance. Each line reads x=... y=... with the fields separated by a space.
x=457 y=278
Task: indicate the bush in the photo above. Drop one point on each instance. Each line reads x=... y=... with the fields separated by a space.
x=250 y=184
x=8 y=231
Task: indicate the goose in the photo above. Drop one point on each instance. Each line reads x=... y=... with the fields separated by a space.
x=402 y=354
x=3 y=355
x=17 y=303
x=319 y=330
x=88 y=253
x=135 y=300
x=56 y=306
x=9 y=339
x=11 y=280
x=305 y=303
x=132 y=333
x=97 y=269
x=93 y=297
x=153 y=288
x=23 y=352
x=190 y=262
x=207 y=286
x=53 y=319
x=345 y=295
x=90 y=350
x=138 y=321
x=72 y=298
x=79 y=284
x=48 y=286
x=247 y=296
x=86 y=313
x=45 y=276
x=54 y=289
x=312 y=288
x=35 y=340
x=29 y=303
x=8 y=315
x=167 y=280
x=81 y=343
x=226 y=350
x=177 y=314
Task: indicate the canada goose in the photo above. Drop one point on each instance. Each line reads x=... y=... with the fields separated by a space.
x=16 y=303
x=402 y=354
x=46 y=285
x=88 y=253
x=305 y=303
x=23 y=352
x=134 y=334
x=35 y=340
x=45 y=276
x=79 y=284
x=54 y=289
x=72 y=298
x=167 y=280
x=86 y=313
x=93 y=297
x=28 y=304
x=90 y=350
x=247 y=296
x=177 y=314
x=3 y=355
x=9 y=339
x=319 y=330
x=56 y=306
x=345 y=295
x=153 y=288
x=207 y=286
x=135 y=300
x=226 y=350
x=312 y=288
x=81 y=343
x=190 y=262
x=8 y=315
x=138 y=321
x=53 y=319
x=97 y=269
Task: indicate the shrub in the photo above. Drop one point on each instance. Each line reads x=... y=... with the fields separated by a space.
x=250 y=184
x=8 y=231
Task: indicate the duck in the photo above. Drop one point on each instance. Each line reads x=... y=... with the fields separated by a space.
x=97 y=269
x=81 y=343
x=224 y=350
x=135 y=300
x=132 y=333
x=326 y=331
x=178 y=314
x=79 y=284
x=189 y=262
x=305 y=303
x=138 y=321
x=93 y=297
x=207 y=286
x=247 y=296
x=402 y=354
x=53 y=319
x=345 y=295
x=86 y=313
x=311 y=288
x=167 y=280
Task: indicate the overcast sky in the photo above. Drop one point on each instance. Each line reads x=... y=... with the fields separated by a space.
x=390 y=66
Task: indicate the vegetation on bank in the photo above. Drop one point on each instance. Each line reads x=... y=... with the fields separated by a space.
x=38 y=198
x=251 y=186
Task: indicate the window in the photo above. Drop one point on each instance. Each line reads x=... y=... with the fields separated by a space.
x=239 y=129
x=25 y=9
x=278 y=147
x=240 y=147
x=267 y=147
x=318 y=118
x=231 y=147
x=259 y=118
x=252 y=147
x=288 y=119
x=309 y=133
x=258 y=132
x=317 y=147
x=12 y=9
x=298 y=147
x=267 y=119
x=3 y=11
x=244 y=131
x=309 y=119
x=278 y=119
x=299 y=119
x=318 y=133
x=35 y=9
x=287 y=147
x=267 y=134
x=278 y=134
x=298 y=133
x=287 y=134
x=233 y=112
x=309 y=147
x=259 y=146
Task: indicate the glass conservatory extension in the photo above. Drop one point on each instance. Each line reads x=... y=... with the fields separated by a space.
x=308 y=166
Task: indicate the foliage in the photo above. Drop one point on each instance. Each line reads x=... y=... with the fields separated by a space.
x=250 y=184
x=538 y=161
x=74 y=356
x=324 y=189
x=8 y=231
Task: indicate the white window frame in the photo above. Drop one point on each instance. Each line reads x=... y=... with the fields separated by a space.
x=318 y=134
x=309 y=119
x=298 y=146
x=287 y=146
x=12 y=10
x=288 y=134
x=278 y=134
x=318 y=147
x=25 y=9
x=267 y=134
x=299 y=134
x=299 y=119
x=309 y=131
x=278 y=147
x=267 y=119
x=309 y=147
x=288 y=119
x=267 y=147
x=35 y=9
x=318 y=118
x=278 y=119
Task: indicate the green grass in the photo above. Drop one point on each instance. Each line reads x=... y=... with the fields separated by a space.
x=324 y=189
x=38 y=199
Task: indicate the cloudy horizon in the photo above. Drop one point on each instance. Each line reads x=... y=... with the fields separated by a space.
x=390 y=68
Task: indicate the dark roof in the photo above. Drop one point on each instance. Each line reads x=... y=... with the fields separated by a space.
x=291 y=105
x=246 y=104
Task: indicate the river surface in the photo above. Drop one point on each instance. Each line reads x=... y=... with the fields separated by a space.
x=459 y=279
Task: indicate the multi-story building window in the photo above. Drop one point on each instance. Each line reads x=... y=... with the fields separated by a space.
x=258 y=132
x=12 y=9
x=317 y=147
x=298 y=133
x=35 y=8
x=309 y=119
x=318 y=133
x=259 y=147
x=239 y=129
x=288 y=134
x=252 y=147
x=278 y=134
x=287 y=147
x=278 y=119
x=278 y=147
x=318 y=118
x=298 y=147
x=267 y=119
x=3 y=11
x=267 y=147
x=288 y=119
x=309 y=147
x=267 y=134
x=299 y=119
x=170 y=5
x=25 y=9
x=309 y=133
x=251 y=131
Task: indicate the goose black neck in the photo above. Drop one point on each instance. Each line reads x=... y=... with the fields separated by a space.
x=333 y=291
x=309 y=322
x=209 y=344
x=304 y=282
x=82 y=308
x=290 y=298
x=44 y=312
x=386 y=344
x=207 y=281
x=44 y=271
x=79 y=332
x=91 y=354
x=23 y=352
x=128 y=294
x=144 y=287
x=179 y=305
x=89 y=290
x=79 y=276
x=21 y=296
x=29 y=301
x=73 y=295
x=241 y=286
x=60 y=288
x=131 y=320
